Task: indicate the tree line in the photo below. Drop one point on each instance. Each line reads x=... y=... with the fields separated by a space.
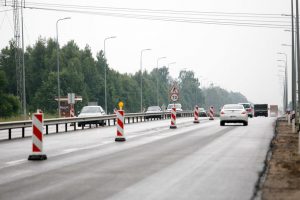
x=82 y=74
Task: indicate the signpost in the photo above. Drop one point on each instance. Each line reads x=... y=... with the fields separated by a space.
x=174 y=95
x=174 y=92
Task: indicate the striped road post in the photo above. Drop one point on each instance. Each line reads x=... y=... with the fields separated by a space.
x=37 y=138
x=120 y=126
x=211 y=113
x=196 y=115
x=173 y=118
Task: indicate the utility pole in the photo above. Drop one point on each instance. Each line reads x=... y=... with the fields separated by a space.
x=294 y=78
x=23 y=61
x=298 y=57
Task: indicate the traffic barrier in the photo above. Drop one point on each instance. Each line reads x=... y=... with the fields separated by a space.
x=211 y=113
x=196 y=115
x=37 y=138
x=120 y=126
x=173 y=118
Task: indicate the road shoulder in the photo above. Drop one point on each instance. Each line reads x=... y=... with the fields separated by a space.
x=282 y=176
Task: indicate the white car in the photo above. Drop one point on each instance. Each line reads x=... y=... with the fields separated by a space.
x=233 y=113
x=177 y=105
x=92 y=111
x=178 y=108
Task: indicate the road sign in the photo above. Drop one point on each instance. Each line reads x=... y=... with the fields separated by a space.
x=174 y=89
x=71 y=98
x=174 y=97
x=174 y=92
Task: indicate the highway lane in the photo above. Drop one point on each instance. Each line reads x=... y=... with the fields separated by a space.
x=17 y=133
x=195 y=161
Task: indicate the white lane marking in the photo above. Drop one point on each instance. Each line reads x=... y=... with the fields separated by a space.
x=15 y=162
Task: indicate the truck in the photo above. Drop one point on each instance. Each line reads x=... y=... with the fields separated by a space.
x=273 y=110
x=260 y=110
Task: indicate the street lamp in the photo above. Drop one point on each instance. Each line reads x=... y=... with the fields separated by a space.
x=158 y=59
x=286 y=80
x=172 y=63
x=141 y=65
x=57 y=61
x=105 y=96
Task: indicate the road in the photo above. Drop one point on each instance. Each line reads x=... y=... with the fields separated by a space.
x=194 y=161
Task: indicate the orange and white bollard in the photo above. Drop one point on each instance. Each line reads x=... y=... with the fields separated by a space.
x=196 y=115
x=211 y=113
x=120 y=126
x=173 y=118
x=37 y=138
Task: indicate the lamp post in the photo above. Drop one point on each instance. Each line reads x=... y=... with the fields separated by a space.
x=282 y=78
x=105 y=94
x=286 y=77
x=141 y=65
x=57 y=61
x=158 y=59
x=172 y=63
x=286 y=80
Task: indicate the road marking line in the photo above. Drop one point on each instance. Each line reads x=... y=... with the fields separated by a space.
x=16 y=162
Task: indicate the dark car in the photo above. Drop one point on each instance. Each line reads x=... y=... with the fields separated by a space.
x=202 y=112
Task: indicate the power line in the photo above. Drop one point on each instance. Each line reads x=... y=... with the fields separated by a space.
x=134 y=14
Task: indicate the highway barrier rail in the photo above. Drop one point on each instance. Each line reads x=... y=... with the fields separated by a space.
x=73 y=121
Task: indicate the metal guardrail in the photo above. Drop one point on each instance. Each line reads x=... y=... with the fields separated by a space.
x=108 y=119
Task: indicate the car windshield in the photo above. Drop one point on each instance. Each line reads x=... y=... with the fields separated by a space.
x=154 y=108
x=178 y=106
x=89 y=109
x=246 y=105
x=233 y=106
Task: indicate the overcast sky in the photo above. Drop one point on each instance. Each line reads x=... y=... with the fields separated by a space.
x=236 y=58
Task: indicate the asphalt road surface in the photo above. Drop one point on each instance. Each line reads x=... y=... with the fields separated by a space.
x=194 y=161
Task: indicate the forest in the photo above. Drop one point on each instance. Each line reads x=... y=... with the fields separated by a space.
x=82 y=74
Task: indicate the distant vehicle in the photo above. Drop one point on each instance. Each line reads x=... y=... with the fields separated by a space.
x=177 y=105
x=248 y=107
x=202 y=112
x=153 y=112
x=260 y=110
x=92 y=111
x=233 y=113
x=273 y=110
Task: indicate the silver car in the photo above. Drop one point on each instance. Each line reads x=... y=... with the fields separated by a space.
x=233 y=113
x=153 y=112
x=92 y=111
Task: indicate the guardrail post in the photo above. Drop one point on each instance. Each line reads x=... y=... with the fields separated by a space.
x=23 y=132
x=47 y=130
x=128 y=119
x=74 y=126
x=114 y=121
x=108 y=121
x=9 y=134
x=56 y=128
x=66 y=127
x=90 y=125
